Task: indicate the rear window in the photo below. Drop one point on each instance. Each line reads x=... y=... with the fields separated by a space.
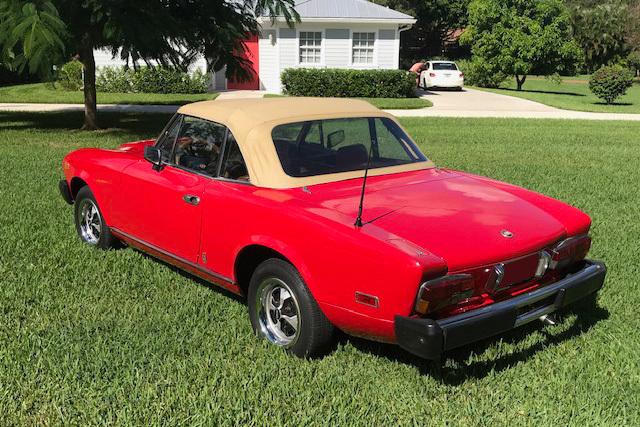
x=445 y=66
x=323 y=147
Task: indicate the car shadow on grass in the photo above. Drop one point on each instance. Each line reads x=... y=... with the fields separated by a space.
x=475 y=361
x=454 y=367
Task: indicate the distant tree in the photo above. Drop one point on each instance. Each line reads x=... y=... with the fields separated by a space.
x=438 y=22
x=599 y=27
x=632 y=33
x=40 y=33
x=521 y=37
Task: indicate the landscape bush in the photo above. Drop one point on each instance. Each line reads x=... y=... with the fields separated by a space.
x=150 y=80
x=477 y=73
x=70 y=75
x=330 y=82
x=610 y=82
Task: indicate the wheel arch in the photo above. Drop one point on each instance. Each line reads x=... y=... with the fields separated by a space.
x=249 y=257
x=75 y=185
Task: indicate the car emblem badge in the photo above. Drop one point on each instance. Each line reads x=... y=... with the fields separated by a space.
x=506 y=234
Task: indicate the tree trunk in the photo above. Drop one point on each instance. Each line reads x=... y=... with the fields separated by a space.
x=520 y=81
x=89 y=80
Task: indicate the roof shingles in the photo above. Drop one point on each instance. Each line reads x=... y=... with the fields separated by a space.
x=355 y=9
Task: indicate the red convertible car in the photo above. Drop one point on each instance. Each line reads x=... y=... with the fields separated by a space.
x=325 y=214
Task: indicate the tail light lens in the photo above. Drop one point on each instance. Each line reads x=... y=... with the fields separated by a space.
x=570 y=251
x=461 y=74
x=444 y=291
x=432 y=74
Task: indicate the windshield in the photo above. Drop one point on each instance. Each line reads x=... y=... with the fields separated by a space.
x=322 y=147
x=450 y=66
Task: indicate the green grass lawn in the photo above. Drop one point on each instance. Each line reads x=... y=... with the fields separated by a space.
x=388 y=103
x=572 y=94
x=90 y=337
x=46 y=93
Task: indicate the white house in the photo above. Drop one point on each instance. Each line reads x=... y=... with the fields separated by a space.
x=332 y=34
x=353 y=34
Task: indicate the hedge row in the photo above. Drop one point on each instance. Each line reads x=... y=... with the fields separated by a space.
x=150 y=80
x=330 y=82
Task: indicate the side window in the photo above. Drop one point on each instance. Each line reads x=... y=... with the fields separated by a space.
x=199 y=145
x=233 y=166
x=314 y=136
x=166 y=140
x=390 y=142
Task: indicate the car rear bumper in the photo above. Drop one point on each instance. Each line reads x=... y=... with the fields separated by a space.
x=445 y=83
x=65 y=191
x=428 y=338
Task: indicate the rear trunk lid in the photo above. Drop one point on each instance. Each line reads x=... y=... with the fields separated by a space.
x=466 y=222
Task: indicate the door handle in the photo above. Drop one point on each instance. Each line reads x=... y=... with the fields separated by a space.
x=192 y=200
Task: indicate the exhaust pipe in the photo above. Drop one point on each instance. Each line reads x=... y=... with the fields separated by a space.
x=550 y=319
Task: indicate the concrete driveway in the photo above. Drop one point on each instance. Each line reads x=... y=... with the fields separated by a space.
x=478 y=103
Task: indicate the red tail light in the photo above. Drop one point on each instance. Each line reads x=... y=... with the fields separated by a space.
x=461 y=74
x=432 y=74
x=569 y=251
x=444 y=291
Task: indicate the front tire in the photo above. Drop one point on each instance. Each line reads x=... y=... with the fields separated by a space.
x=283 y=311
x=90 y=223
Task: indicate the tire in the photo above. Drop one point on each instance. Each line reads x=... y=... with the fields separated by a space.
x=276 y=293
x=90 y=223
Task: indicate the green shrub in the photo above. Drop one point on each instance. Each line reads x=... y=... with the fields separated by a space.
x=328 y=82
x=477 y=73
x=70 y=75
x=610 y=82
x=151 y=80
x=114 y=80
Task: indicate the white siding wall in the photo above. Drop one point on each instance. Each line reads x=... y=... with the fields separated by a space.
x=269 y=71
x=337 y=45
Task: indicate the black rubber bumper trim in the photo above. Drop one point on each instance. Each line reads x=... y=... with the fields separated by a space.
x=428 y=338
x=65 y=191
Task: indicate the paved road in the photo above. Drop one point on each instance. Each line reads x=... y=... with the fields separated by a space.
x=468 y=103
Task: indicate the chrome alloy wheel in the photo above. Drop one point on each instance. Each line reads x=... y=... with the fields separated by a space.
x=278 y=312
x=90 y=222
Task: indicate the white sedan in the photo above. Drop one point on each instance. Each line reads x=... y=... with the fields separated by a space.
x=444 y=74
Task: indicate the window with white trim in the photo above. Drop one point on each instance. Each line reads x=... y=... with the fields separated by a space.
x=362 y=48
x=310 y=47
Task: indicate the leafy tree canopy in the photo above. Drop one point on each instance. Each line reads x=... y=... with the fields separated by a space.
x=599 y=28
x=39 y=33
x=521 y=37
x=435 y=29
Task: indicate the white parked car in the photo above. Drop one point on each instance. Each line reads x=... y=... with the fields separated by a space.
x=444 y=74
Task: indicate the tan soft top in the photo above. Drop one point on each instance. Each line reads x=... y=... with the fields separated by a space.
x=251 y=122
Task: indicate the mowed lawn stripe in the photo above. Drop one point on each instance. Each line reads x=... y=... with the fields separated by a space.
x=90 y=337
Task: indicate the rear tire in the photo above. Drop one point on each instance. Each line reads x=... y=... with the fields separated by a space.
x=283 y=311
x=90 y=223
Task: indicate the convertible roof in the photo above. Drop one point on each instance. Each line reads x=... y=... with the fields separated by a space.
x=251 y=112
x=251 y=122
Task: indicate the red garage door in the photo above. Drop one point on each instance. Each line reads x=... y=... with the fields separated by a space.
x=252 y=54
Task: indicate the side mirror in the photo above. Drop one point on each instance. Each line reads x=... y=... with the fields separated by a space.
x=154 y=156
x=335 y=138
